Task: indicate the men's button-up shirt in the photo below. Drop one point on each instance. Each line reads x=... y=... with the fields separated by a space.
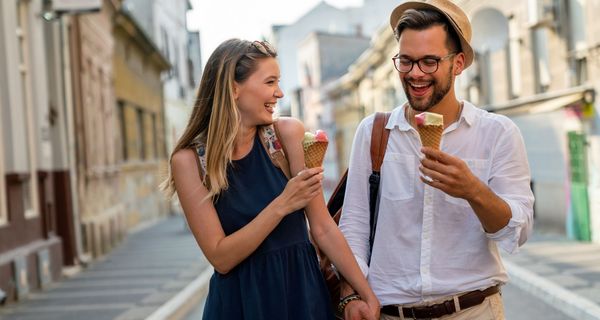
x=429 y=244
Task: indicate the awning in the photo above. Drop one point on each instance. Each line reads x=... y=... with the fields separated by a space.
x=546 y=102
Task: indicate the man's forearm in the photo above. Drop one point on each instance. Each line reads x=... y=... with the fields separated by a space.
x=493 y=212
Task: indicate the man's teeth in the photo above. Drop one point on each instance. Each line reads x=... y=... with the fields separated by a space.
x=422 y=85
x=269 y=105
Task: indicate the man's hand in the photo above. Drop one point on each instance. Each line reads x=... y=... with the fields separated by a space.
x=358 y=310
x=453 y=176
x=449 y=174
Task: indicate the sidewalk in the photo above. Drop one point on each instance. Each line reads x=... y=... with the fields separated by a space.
x=159 y=273
x=563 y=273
x=156 y=273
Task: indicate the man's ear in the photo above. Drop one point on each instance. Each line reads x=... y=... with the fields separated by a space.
x=459 y=63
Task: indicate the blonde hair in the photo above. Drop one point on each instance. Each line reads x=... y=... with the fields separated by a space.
x=215 y=120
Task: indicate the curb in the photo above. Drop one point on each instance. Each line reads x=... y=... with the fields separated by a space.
x=570 y=303
x=181 y=304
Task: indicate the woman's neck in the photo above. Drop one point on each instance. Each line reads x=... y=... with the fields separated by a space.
x=243 y=142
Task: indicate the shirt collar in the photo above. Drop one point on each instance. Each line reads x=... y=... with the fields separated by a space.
x=469 y=112
x=397 y=118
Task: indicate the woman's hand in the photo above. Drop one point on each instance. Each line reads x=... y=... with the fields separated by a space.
x=301 y=189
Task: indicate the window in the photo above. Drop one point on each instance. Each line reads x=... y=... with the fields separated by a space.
x=123 y=131
x=513 y=59
x=154 y=136
x=30 y=203
x=581 y=75
x=576 y=40
x=140 y=134
x=148 y=146
x=3 y=202
x=541 y=67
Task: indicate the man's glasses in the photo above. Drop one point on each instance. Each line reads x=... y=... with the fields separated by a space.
x=427 y=65
x=264 y=47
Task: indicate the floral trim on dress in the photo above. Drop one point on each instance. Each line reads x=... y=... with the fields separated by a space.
x=270 y=139
x=200 y=149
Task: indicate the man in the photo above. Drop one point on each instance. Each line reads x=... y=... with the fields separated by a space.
x=442 y=214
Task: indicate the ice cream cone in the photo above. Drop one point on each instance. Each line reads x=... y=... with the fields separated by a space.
x=314 y=146
x=430 y=126
x=431 y=136
x=314 y=153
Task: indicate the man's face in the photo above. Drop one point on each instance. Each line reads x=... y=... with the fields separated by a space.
x=423 y=90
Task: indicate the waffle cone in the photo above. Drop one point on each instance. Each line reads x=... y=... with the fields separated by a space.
x=431 y=136
x=314 y=153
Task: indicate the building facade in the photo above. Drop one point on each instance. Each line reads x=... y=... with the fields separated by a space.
x=543 y=74
x=323 y=57
x=360 y=21
x=34 y=184
x=137 y=68
x=101 y=214
x=165 y=23
x=537 y=62
x=371 y=84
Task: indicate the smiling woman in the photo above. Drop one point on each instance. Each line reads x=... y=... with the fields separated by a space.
x=247 y=217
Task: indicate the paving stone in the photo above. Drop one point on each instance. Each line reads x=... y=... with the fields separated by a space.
x=131 y=282
x=568 y=281
x=158 y=298
x=137 y=313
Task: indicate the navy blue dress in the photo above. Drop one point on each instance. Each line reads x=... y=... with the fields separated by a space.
x=281 y=279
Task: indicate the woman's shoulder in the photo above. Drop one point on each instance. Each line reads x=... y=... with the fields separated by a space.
x=184 y=158
x=289 y=128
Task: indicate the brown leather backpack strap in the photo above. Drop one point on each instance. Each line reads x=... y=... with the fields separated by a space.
x=379 y=139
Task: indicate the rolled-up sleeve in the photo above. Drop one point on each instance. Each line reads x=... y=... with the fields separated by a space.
x=354 y=222
x=510 y=179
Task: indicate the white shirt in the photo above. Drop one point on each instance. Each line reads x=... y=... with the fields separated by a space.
x=428 y=244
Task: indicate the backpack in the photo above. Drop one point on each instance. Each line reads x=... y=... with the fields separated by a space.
x=275 y=149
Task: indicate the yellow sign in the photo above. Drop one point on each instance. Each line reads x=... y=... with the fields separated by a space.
x=588 y=110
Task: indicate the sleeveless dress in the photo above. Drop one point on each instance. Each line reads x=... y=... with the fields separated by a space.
x=281 y=279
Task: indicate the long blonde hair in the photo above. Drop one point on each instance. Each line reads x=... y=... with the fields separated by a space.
x=215 y=120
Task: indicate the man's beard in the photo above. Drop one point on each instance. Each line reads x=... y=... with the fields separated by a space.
x=439 y=92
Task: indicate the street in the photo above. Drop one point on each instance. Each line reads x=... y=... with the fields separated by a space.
x=518 y=305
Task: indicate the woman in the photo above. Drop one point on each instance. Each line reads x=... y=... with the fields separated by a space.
x=247 y=218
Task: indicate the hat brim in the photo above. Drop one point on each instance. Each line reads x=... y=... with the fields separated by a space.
x=397 y=13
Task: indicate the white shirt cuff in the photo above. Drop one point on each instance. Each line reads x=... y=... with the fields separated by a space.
x=507 y=238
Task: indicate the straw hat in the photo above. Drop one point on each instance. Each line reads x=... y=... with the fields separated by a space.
x=458 y=20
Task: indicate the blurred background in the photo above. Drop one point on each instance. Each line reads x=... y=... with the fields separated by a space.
x=94 y=94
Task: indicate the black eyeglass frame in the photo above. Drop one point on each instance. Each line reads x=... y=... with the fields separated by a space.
x=396 y=59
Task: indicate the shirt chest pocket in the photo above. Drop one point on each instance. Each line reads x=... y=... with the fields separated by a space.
x=398 y=176
x=480 y=169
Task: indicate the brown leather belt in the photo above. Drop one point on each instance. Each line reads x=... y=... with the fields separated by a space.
x=467 y=300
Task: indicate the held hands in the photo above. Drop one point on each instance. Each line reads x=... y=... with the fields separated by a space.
x=360 y=310
x=301 y=189
x=449 y=174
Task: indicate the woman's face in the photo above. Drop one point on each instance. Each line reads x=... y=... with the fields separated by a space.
x=257 y=96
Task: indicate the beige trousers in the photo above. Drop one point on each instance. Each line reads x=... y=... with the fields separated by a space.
x=491 y=308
